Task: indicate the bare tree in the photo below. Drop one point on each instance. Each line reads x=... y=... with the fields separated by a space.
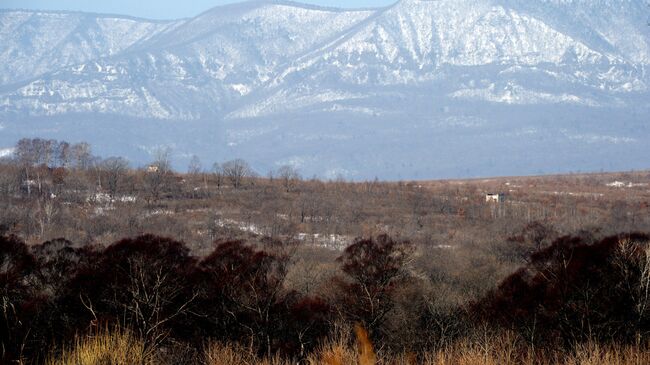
x=194 y=176
x=24 y=152
x=194 y=167
x=48 y=151
x=38 y=147
x=26 y=157
x=157 y=296
x=144 y=282
x=62 y=154
x=162 y=159
x=236 y=171
x=288 y=175
x=217 y=171
x=9 y=183
x=82 y=155
x=158 y=174
x=114 y=169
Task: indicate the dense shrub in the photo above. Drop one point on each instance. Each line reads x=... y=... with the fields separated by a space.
x=140 y=282
x=18 y=300
x=373 y=269
x=575 y=291
x=243 y=299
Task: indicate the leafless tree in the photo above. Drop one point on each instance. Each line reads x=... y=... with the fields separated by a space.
x=156 y=299
x=26 y=157
x=62 y=154
x=236 y=171
x=114 y=169
x=82 y=155
x=162 y=159
x=33 y=156
x=289 y=176
x=196 y=177
x=24 y=152
x=49 y=151
x=217 y=171
x=194 y=167
x=158 y=174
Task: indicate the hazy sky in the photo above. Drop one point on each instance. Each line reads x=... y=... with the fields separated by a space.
x=160 y=9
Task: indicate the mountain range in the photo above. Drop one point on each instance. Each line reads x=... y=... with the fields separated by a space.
x=420 y=89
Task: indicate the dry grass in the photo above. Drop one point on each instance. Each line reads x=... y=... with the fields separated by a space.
x=338 y=352
x=220 y=354
x=334 y=353
x=593 y=354
x=121 y=348
x=217 y=353
x=106 y=347
x=505 y=350
x=488 y=349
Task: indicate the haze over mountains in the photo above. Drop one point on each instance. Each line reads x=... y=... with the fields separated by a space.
x=421 y=89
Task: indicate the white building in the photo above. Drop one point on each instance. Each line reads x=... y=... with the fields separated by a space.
x=495 y=198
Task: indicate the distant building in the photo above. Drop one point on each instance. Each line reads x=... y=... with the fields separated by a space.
x=495 y=198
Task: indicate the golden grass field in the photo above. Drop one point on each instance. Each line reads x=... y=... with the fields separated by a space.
x=119 y=347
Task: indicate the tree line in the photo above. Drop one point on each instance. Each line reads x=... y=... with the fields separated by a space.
x=30 y=154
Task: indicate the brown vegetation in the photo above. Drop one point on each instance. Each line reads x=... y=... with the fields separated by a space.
x=270 y=270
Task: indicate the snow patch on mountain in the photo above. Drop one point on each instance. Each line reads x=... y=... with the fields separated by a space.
x=516 y=94
x=34 y=43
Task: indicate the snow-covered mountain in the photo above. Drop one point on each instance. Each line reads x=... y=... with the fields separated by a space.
x=34 y=43
x=419 y=89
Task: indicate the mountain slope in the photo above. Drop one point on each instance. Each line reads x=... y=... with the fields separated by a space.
x=34 y=43
x=490 y=50
x=194 y=71
x=279 y=82
x=279 y=51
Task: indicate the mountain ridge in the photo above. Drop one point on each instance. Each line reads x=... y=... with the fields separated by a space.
x=241 y=69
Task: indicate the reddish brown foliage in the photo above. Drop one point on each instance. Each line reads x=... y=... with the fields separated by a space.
x=570 y=291
x=373 y=268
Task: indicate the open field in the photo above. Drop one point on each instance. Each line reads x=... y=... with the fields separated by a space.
x=442 y=276
x=450 y=222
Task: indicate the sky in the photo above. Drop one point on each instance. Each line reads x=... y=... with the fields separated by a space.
x=160 y=9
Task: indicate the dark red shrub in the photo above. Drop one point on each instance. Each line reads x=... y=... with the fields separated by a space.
x=309 y=322
x=571 y=291
x=18 y=298
x=140 y=282
x=242 y=295
x=373 y=269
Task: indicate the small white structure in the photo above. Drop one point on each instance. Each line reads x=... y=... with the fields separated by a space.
x=495 y=198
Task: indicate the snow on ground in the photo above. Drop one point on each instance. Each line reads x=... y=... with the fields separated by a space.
x=244 y=227
x=329 y=241
x=621 y=184
x=104 y=198
x=334 y=242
